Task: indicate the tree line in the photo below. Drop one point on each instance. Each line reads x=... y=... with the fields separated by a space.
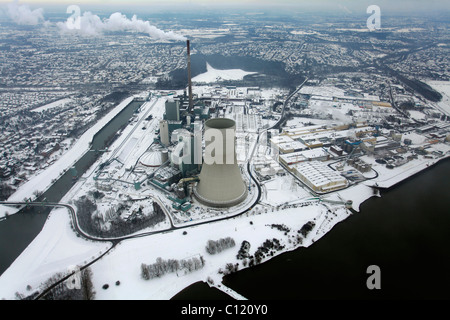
x=78 y=287
x=269 y=247
x=307 y=227
x=92 y=225
x=213 y=247
x=161 y=267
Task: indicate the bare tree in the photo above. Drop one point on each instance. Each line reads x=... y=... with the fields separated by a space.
x=144 y=272
x=213 y=247
x=86 y=284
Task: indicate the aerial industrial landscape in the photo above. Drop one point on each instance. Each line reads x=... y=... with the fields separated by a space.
x=181 y=148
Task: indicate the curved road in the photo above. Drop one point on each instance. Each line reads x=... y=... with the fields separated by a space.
x=117 y=240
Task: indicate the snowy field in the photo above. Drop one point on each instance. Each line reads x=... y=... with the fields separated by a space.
x=329 y=108
x=215 y=75
x=443 y=87
x=358 y=194
x=417 y=115
x=52 y=105
x=323 y=91
x=55 y=249
x=123 y=263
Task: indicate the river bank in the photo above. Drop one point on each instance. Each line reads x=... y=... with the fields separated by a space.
x=266 y=225
x=404 y=232
x=44 y=180
x=123 y=262
x=23 y=228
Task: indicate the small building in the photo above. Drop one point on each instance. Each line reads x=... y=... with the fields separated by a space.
x=318 y=154
x=294 y=146
x=361 y=165
x=337 y=150
x=313 y=143
x=49 y=151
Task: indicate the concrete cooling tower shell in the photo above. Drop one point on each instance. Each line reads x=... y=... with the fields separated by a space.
x=221 y=185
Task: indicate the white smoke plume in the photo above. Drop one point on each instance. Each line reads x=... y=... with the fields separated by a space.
x=91 y=24
x=23 y=15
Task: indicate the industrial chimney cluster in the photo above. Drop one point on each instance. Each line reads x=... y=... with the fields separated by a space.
x=211 y=176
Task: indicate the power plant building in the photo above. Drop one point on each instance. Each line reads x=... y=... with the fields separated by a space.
x=221 y=183
x=187 y=153
x=164 y=132
x=172 y=110
x=319 y=177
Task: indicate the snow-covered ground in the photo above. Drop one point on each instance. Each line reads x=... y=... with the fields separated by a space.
x=42 y=180
x=216 y=75
x=284 y=201
x=323 y=91
x=443 y=87
x=417 y=115
x=390 y=177
x=283 y=190
x=55 y=249
x=123 y=263
x=357 y=193
x=53 y=252
x=52 y=105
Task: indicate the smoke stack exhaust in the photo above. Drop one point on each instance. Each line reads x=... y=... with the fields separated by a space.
x=191 y=104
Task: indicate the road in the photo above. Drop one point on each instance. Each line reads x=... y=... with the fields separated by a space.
x=283 y=111
x=116 y=240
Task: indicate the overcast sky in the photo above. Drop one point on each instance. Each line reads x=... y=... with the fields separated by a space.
x=329 y=5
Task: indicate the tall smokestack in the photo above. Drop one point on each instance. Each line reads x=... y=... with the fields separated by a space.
x=191 y=104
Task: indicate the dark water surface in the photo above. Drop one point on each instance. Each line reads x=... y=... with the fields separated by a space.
x=406 y=233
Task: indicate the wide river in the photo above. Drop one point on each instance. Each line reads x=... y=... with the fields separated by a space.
x=406 y=233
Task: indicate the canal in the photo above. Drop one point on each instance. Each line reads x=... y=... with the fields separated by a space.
x=405 y=233
x=24 y=226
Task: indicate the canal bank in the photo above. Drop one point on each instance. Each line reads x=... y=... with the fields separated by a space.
x=24 y=226
x=404 y=232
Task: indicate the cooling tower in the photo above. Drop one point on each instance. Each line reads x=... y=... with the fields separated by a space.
x=221 y=183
